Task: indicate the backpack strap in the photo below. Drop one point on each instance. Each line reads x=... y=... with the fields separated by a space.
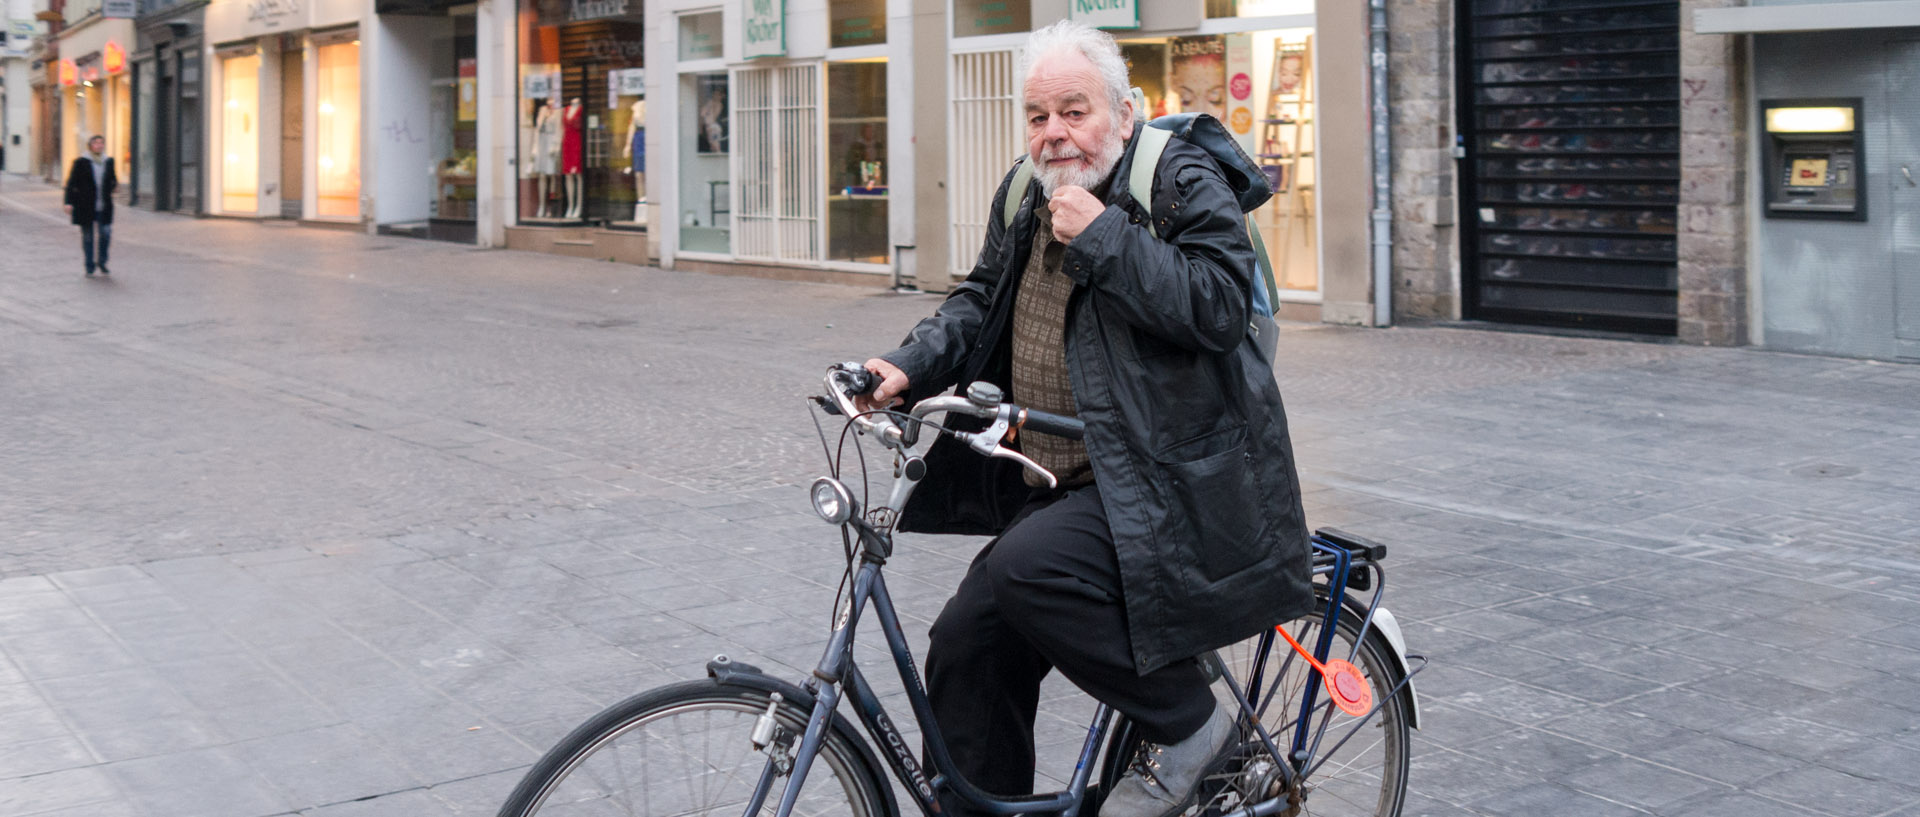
x=1146 y=160
x=1016 y=191
x=1265 y=265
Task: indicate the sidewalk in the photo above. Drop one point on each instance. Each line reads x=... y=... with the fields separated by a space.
x=309 y=522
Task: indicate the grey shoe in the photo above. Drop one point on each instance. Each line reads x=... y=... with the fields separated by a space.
x=1164 y=779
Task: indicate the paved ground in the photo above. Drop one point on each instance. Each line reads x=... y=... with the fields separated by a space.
x=296 y=521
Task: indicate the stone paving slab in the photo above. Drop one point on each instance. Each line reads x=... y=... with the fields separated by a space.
x=305 y=522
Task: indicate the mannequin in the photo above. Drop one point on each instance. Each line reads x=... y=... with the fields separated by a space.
x=571 y=166
x=636 y=152
x=546 y=151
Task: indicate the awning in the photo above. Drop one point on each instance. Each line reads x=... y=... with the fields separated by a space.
x=1807 y=17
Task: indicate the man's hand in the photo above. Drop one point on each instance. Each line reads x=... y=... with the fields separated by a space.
x=1073 y=209
x=893 y=383
x=69 y=209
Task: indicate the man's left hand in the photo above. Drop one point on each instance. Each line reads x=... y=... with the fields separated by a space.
x=1073 y=209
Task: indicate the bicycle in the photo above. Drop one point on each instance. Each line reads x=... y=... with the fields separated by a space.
x=740 y=740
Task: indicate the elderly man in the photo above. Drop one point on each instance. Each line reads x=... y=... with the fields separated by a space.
x=1176 y=527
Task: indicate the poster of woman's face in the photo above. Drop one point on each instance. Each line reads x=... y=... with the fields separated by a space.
x=712 y=120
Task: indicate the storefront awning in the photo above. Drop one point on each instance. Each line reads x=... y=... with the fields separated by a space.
x=1807 y=17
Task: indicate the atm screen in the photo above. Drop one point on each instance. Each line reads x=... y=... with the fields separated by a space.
x=1808 y=173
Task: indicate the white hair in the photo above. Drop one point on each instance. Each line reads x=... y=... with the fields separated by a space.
x=1096 y=45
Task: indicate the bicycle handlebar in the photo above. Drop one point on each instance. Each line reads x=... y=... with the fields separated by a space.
x=848 y=380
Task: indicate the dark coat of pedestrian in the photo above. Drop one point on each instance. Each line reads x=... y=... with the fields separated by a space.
x=90 y=185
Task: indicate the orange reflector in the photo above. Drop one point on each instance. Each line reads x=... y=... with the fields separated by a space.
x=1344 y=683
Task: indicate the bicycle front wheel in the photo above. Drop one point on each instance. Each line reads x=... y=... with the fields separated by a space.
x=686 y=750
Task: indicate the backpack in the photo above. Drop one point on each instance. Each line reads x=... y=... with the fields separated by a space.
x=1248 y=182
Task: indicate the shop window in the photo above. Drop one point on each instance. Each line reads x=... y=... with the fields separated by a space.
x=143 y=150
x=778 y=150
x=856 y=22
x=239 y=134
x=337 y=162
x=700 y=36
x=974 y=18
x=1260 y=84
x=581 y=90
x=987 y=135
x=455 y=112
x=1258 y=8
x=706 y=217
x=857 y=162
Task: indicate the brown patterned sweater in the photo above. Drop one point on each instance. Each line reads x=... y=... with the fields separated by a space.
x=1040 y=379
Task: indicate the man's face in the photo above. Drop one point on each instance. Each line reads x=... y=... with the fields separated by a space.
x=96 y=144
x=1074 y=135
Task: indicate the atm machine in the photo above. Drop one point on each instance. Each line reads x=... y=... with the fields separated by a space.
x=1816 y=166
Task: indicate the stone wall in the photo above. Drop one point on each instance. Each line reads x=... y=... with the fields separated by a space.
x=1713 y=179
x=1420 y=96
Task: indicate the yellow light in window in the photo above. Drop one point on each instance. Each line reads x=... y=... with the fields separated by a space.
x=1809 y=120
x=326 y=109
x=233 y=104
x=326 y=163
x=233 y=157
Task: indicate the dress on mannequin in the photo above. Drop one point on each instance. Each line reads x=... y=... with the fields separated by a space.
x=546 y=152
x=637 y=157
x=570 y=138
x=570 y=164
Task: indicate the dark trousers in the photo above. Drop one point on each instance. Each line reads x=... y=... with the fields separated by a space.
x=1046 y=594
x=87 y=232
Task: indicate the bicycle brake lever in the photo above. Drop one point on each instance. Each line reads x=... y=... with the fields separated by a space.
x=1010 y=454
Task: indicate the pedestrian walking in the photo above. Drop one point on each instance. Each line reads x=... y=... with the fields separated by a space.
x=90 y=184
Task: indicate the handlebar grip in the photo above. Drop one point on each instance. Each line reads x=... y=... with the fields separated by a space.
x=1071 y=428
x=859 y=382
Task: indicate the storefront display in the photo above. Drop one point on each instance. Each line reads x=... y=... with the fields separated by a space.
x=1572 y=129
x=581 y=103
x=337 y=126
x=239 y=133
x=706 y=217
x=856 y=175
x=1271 y=112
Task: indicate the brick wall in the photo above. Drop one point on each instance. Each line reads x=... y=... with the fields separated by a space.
x=1420 y=97
x=1713 y=178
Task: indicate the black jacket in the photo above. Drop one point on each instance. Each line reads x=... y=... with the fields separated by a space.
x=1185 y=429
x=81 y=193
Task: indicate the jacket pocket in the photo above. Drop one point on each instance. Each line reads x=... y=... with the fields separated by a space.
x=1214 y=492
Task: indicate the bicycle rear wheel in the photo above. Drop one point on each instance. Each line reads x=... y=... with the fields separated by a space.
x=1357 y=769
x=686 y=751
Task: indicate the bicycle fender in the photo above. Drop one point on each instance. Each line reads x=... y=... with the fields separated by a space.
x=1389 y=628
x=728 y=672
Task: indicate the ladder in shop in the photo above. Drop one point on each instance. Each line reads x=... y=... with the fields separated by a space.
x=1282 y=154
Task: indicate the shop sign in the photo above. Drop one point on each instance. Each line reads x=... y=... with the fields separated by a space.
x=272 y=13
x=120 y=9
x=1105 y=13
x=19 y=38
x=541 y=85
x=114 y=58
x=764 y=28
x=469 y=89
x=973 y=18
x=625 y=82
x=69 y=74
x=579 y=10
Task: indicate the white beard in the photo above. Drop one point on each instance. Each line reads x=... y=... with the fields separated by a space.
x=1085 y=175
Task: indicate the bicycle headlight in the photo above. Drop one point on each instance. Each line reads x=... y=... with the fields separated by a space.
x=831 y=500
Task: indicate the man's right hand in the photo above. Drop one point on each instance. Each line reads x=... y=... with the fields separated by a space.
x=893 y=383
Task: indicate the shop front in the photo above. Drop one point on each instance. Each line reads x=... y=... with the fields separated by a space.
x=285 y=132
x=430 y=109
x=581 y=118
x=1249 y=63
x=96 y=90
x=168 y=114
x=779 y=135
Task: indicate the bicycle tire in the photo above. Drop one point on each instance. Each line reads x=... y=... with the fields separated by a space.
x=1366 y=777
x=578 y=777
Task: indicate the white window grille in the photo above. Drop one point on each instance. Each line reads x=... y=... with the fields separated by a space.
x=985 y=139
x=778 y=163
